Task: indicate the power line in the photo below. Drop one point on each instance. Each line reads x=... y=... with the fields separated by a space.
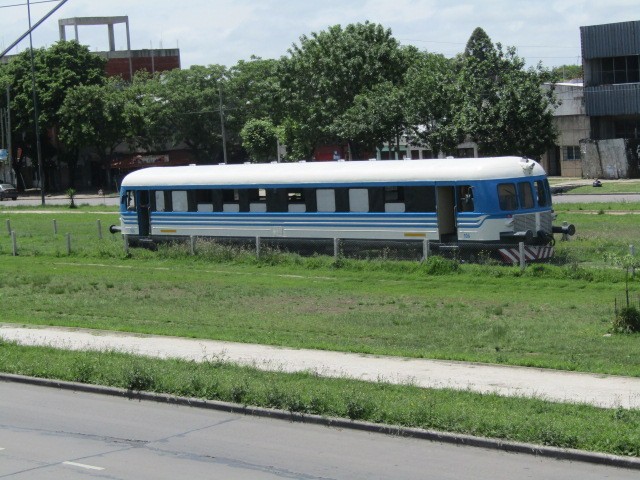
x=23 y=4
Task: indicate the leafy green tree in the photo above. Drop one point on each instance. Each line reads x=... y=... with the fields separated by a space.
x=58 y=69
x=181 y=106
x=503 y=107
x=432 y=96
x=96 y=116
x=324 y=73
x=565 y=73
x=376 y=116
x=259 y=138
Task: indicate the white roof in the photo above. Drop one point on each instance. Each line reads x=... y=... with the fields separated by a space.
x=355 y=172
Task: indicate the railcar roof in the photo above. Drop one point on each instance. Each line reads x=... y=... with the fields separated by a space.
x=355 y=172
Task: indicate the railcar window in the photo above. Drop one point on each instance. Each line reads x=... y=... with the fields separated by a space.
x=507 y=196
x=393 y=194
x=276 y=200
x=376 y=199
x=131 y=200
x=326 y=199
x=257 y=200
x=542 y=192
x=204 y=200
x=394 y=199
x=180 y=201
x=296 y=200
x=230 y=200
x=420 y=199
x=525 y=194
x=465 y=198
x=358 y=200
x=160 y=206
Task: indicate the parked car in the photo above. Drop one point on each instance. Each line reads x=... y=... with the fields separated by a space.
x=8 y=191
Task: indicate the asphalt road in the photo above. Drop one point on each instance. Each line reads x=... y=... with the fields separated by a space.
x=610 y=198
x=48 y=433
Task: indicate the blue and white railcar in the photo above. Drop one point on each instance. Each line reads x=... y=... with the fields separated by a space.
x=488 y=201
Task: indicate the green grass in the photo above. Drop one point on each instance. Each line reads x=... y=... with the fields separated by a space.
x=595 y=207
x=608 y=187
x=614 y=431
x=553 y=316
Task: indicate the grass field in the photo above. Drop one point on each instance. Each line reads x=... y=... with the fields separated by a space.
x=555 y=316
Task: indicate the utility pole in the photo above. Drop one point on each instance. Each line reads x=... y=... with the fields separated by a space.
x=35 y=108
x=9 y=139
x=224 y=136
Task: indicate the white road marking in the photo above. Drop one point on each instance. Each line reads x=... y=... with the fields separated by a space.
x=82 y=465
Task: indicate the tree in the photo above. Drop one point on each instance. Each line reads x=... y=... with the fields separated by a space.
x=565 y=73
x=96 y=116
x=259 y=138
x=182 y=106
x=323 y=75
x=58 y=69
x=503 y=107
x=377 y=116
x=432 y=96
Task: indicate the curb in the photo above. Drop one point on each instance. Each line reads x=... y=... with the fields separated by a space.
x=430 y=435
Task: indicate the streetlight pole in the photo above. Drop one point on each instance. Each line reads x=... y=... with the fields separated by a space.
x=35 y=108
x=224 y=136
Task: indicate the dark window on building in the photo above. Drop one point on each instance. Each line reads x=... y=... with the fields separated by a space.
x=571 y=153
x=507 y=196
x=526 y=195
x=465 y=153
x=627 y=128
x=621 y=69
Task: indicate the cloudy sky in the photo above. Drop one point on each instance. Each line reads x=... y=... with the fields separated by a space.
x=225 y=31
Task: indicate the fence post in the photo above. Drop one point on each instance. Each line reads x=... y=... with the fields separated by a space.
x=425 y=250
x=8 y=226
x=523 y=263
x=632 y=252
x=68 y=244
x=126 y=244
x=258 y=248
x=192 y=244
x=14 y=244
x=99 y=224
x=55 y=227
x=336 y=249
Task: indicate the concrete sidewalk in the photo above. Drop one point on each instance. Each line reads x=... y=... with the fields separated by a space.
x=599 y=390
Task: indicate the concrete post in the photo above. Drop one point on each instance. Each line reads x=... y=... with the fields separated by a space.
x=523 y=262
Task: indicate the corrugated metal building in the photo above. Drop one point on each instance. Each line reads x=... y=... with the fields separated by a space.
x=611 y=65
x=611 y=62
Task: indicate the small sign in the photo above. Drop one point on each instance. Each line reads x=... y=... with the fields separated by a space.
x=3 y=154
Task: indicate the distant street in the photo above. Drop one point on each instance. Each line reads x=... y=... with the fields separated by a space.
x=595 y=198
x=35 y=201
x=48 y=433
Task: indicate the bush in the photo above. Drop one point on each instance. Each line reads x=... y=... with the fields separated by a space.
x=627 y=320
x=436 y=265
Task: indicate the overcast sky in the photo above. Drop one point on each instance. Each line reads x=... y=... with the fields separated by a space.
x=225 y=31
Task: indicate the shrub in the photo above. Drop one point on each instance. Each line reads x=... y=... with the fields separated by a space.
x=627 y=320
x=436 y=265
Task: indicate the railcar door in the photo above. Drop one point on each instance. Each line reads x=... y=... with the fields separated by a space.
x=446 y=207
x=144 y=216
